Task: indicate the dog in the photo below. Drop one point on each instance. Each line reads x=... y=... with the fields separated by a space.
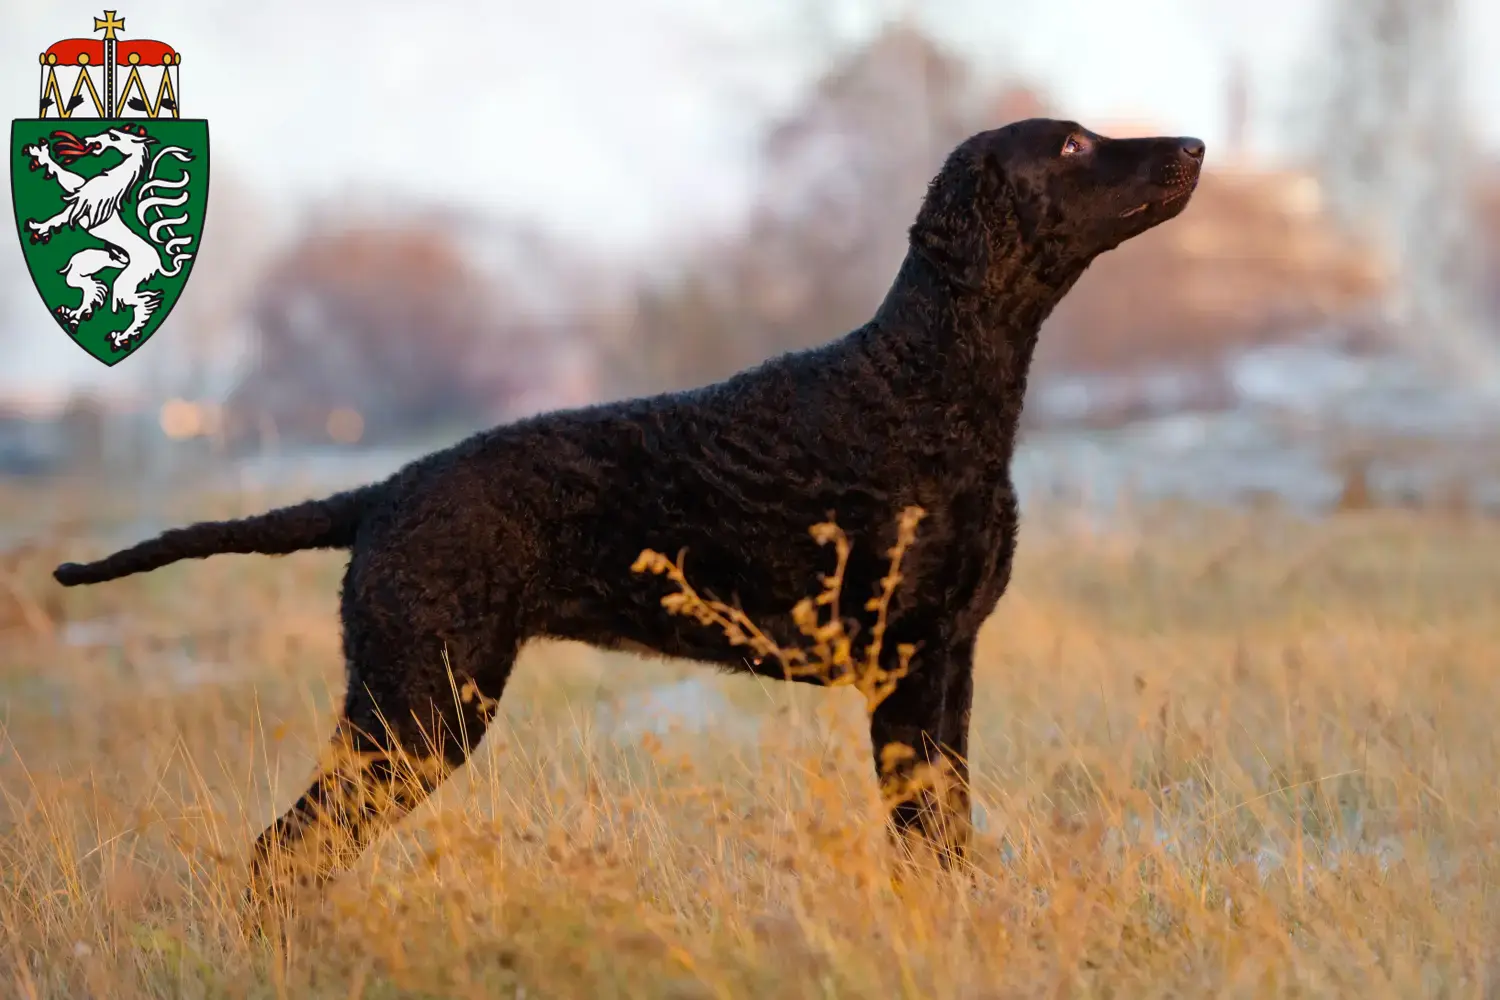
x=531 y=530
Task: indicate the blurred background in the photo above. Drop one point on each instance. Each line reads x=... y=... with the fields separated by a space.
x=425 y=219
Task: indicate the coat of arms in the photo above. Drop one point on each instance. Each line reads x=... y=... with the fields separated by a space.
x=110 y=187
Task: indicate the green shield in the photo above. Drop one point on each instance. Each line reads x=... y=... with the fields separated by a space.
x=110 y=215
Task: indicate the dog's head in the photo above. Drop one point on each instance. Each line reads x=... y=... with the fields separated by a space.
x=1051 y=192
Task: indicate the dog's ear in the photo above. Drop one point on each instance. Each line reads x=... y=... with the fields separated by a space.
x=955 y=228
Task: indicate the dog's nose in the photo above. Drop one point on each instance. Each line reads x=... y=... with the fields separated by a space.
x=1191 y=148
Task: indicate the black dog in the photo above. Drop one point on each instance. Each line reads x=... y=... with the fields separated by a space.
x=531 y=530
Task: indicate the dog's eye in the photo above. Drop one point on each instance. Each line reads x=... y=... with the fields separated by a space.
x=1072 y=145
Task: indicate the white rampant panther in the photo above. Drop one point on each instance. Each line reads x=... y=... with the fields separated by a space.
x=94 y=204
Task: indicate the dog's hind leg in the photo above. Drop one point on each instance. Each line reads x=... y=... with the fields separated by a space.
x=405 y=728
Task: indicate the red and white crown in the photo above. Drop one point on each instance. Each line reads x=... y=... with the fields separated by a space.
x=110 y=77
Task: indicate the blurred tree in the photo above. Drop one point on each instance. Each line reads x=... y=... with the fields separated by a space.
x=1237 y=108
x=1390 y=136
x=840 y=179
x=387 y=320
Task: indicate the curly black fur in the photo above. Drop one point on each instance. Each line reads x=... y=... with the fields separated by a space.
x=530 y=530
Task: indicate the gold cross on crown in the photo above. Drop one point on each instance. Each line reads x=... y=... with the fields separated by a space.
x=109 y=24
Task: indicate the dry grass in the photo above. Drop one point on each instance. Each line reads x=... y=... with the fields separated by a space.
x=1252 y=757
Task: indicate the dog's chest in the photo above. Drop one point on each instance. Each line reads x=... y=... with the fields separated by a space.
x=973 y=536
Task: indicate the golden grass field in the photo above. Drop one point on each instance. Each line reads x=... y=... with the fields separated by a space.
x=1218 y=755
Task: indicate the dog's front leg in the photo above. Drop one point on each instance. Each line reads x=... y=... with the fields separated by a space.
x=919 y=735
x=958 y=700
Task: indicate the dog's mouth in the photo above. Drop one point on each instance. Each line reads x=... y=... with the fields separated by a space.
x=1172 y=197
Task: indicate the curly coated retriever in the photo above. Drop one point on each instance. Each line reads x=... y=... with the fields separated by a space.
x=530 y=530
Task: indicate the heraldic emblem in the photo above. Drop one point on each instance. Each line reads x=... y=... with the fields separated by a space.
x=110 y=187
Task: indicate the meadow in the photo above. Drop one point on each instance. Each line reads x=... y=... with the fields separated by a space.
x=1215 y=753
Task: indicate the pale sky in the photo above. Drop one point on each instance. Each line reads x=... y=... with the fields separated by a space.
x=622 y=122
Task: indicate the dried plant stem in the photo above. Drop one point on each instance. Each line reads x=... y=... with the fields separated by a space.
x=830 y=654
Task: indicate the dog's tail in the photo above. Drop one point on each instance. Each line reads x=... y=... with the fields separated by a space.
x=330 y=523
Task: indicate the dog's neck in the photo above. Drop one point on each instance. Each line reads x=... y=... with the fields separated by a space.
x=971 y=344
